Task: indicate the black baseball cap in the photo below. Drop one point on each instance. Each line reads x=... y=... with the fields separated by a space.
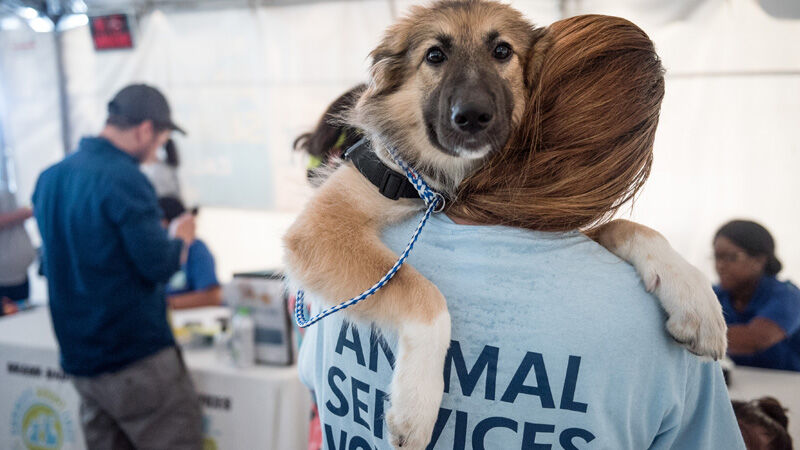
x=140 y=102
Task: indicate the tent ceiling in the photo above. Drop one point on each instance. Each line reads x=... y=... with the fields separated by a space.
x=139 y=6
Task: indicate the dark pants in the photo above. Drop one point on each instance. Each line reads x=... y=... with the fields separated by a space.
x=150 y=404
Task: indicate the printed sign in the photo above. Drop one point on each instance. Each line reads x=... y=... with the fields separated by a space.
x=111 y=32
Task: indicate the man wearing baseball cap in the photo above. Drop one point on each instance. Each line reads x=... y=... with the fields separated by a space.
x=107 y=259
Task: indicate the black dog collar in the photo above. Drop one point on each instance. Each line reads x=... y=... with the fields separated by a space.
x=391 y=184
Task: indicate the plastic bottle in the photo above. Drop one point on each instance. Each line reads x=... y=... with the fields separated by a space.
x=243 y=339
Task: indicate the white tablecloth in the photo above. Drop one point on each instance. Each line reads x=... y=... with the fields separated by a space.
x=258 y=408
x=748 y=383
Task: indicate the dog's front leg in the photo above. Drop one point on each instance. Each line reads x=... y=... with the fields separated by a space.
x=334 y=251
x=695 y=315
x=417 y=383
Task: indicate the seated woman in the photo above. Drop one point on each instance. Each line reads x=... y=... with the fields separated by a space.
x=196 y=283
x=763 y=314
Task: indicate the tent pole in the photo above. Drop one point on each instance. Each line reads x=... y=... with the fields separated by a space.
x=66 y=137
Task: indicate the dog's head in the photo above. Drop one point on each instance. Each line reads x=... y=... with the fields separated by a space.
x=448 y=86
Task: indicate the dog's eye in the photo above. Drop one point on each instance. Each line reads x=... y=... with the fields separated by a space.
x=502 y=51
x=435 y=55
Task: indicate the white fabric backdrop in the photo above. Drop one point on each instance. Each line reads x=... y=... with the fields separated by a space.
x=245 y=82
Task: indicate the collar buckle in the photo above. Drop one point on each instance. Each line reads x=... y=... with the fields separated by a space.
x=392 y=184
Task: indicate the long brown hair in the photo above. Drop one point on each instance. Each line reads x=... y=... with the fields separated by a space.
x=584 y=146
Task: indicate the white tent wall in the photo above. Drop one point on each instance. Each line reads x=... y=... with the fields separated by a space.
x=29 y=104
x=245 y=82
x=30 y=112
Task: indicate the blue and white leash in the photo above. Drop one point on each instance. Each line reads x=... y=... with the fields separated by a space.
x=435 y=203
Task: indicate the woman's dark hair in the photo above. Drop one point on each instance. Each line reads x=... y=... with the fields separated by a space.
x=171 y=207
x=753 y=239
x=766 y=415
x=323 y=142
x=172 y=153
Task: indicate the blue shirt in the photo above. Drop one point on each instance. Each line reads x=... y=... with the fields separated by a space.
x=555 y=344
x=197 y=273
x=778 y=301
x=107 y=258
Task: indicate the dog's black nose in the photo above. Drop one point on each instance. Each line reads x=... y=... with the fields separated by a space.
x=471 y=117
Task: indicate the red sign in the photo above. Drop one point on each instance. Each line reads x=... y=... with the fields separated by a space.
x=111 y=32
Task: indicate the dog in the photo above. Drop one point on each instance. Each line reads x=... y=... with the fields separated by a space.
x=447 y=88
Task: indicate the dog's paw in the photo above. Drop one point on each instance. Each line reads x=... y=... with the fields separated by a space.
x=410 y=430
x=417 y=384
x=414 y=409
x=695 y=315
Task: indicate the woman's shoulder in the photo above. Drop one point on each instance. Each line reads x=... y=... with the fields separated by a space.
x=783 y=290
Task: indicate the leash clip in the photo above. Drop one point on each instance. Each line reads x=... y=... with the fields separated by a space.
x=440 y=202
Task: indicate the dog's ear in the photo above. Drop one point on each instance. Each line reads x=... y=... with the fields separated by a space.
x=540 y=41
x=388 y=68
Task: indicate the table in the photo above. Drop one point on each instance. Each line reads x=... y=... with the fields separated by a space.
x=748 y=383
x=256 y=408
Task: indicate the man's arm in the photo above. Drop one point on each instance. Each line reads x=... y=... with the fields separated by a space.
x=132 y=206
x=14 y=217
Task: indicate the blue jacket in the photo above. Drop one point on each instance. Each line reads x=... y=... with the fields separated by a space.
x=106 y=257
x=778 y=301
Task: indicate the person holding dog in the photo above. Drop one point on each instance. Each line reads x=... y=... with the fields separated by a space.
x=555 y=342
x=763 y=313
x=107 y=258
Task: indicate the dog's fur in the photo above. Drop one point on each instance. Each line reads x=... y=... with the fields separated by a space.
x=333 y=250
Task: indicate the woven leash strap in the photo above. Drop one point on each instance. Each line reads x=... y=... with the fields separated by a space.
x=434 y=202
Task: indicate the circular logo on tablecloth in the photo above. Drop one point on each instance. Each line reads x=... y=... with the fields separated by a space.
x=40 y=421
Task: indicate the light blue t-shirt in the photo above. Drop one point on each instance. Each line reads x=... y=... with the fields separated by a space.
x=555 y=344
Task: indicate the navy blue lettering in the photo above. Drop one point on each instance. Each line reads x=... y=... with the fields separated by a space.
x=460 y=438
x=341 y=410
x=487 y=362
x=529 y=436
x=483 y=427
x=518 y=386
x=376 y=339
x=441 y=421
x=354 y=345
x=566 y=437
x=358 y=405
x=568 y=395
x=331 y=443
x=377 y=425
x=359 y=443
